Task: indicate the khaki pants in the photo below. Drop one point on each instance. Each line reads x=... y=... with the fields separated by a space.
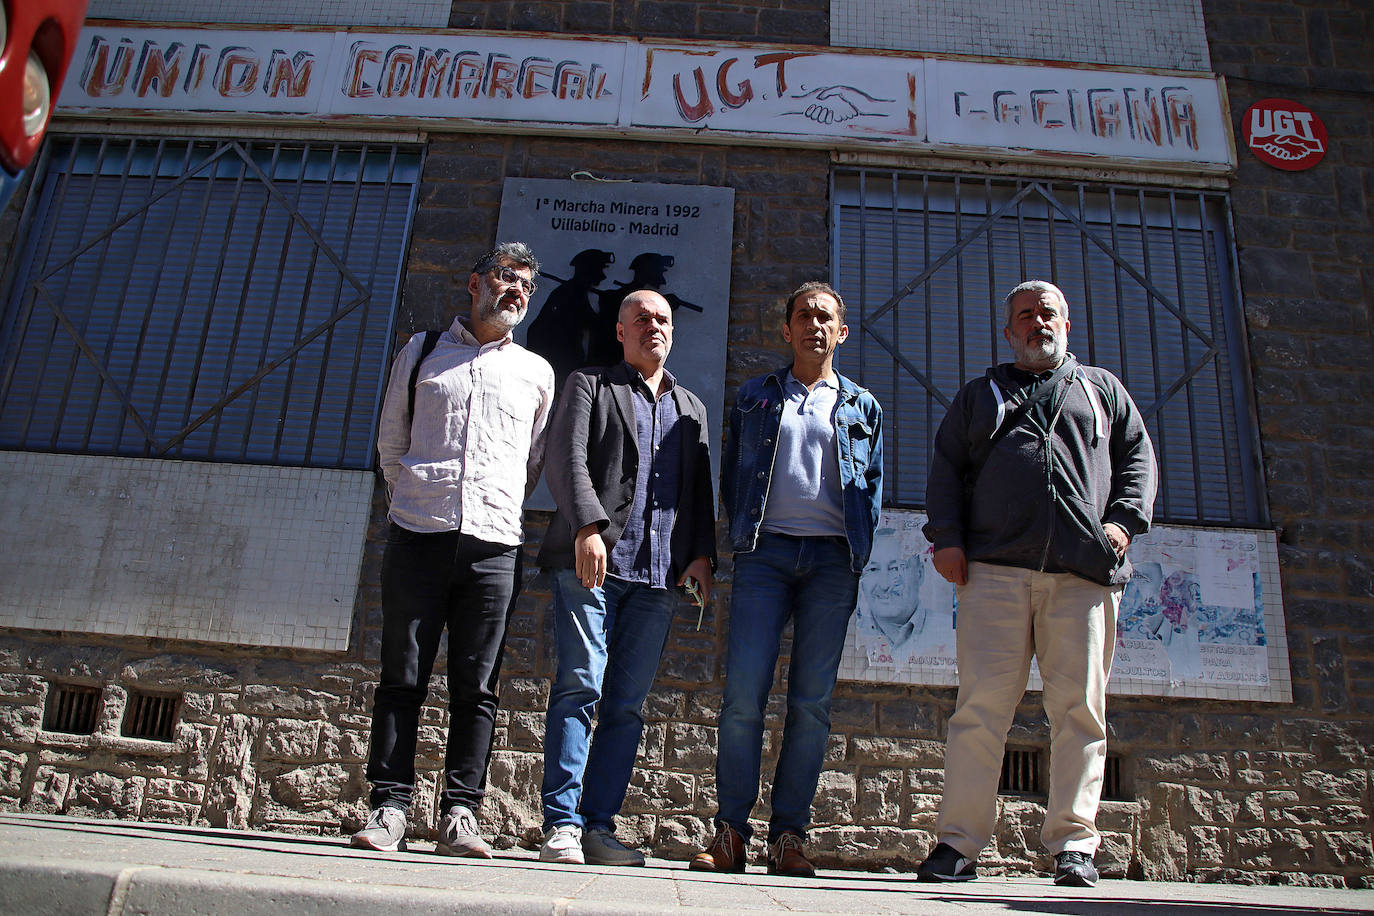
x=1006 y=615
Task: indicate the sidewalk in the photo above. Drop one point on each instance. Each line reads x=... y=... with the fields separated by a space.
x=75 y=867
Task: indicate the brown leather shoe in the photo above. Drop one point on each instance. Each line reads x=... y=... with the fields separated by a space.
x=726 y=852
x=785 y=858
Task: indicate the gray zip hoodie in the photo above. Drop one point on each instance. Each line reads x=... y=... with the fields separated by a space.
x=1041 y=498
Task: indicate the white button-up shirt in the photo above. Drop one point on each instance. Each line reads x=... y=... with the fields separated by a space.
x=473 y=451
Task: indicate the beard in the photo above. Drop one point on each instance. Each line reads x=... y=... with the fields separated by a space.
x=1041 y=352
x=490 y=311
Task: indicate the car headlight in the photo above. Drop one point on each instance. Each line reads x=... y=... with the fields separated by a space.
x=37 y=96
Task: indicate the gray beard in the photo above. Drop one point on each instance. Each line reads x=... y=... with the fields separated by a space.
x=492 y=313
x=1040 y=356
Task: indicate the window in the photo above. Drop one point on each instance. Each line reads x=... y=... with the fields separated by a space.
x=223 y=301
x=923 y=261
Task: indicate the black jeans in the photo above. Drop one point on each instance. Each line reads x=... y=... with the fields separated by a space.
x=430 y=581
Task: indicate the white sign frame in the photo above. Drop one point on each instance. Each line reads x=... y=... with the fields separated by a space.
x=1217 y=645
x=676 y=237
x=670 y=91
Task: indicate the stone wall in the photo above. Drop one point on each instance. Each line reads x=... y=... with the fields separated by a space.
x=276 y=739
x=1297 y=795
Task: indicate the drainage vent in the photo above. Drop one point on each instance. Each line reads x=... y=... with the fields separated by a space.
x=72 y=709
x=1114 y=779
x=1021 y=772
x=151 y=716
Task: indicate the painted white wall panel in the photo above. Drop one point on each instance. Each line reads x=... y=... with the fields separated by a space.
x=227 y=553
x=1127 y=33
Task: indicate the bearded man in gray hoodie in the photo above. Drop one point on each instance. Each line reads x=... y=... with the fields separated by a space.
x=1041 y=476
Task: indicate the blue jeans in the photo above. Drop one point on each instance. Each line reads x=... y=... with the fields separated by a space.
x=609 y=643
x=810 y=581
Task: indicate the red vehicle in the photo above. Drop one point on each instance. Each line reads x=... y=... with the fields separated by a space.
x=37 y=38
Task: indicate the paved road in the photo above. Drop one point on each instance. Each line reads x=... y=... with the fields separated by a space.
x=73 y=867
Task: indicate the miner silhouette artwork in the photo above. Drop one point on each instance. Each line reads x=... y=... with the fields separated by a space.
x=576 y=325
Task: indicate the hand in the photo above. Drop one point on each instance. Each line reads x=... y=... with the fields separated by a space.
x=951 y=563
x=590 y=555
x=699 y=569
x=835 y=104
x=1117 y=537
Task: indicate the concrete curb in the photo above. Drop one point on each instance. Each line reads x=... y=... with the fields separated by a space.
x=74 y=867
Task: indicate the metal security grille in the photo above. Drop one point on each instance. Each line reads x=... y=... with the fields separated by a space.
x=150 y=716
x=923 y=261
x=226 y=301
x=72 y=709
x=1021 y=772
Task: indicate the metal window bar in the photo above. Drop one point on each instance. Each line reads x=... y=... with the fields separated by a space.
x=224 y=301
x=72 y=709
x=1135 y=263
x=151 y=717
x=1113 y=779
x=1021 y=772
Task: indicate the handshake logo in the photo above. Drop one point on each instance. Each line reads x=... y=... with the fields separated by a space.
x=1285 y=134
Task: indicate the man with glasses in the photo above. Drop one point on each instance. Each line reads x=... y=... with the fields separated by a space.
x=461 y=442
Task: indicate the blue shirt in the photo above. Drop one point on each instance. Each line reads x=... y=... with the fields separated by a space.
x=751 y=445
x=642 y=553
x=805 y=497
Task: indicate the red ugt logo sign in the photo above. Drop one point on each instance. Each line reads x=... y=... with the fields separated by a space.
x=1285 y=134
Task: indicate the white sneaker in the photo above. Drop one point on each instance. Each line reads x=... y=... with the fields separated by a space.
x=458 y=835
x=385 y=831
x=563 y=844
x=600 y=847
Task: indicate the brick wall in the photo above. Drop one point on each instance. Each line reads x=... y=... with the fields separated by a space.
x=1126 y=33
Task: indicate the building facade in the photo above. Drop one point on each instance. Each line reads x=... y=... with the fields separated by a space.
x=200 y=300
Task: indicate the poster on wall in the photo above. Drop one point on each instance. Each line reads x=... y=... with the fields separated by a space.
x=1200 y=617
x=906 y=614
x=598 y=241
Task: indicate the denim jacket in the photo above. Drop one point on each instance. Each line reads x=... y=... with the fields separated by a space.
x=752 y=444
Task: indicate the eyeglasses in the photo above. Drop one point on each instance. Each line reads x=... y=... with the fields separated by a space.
x=508 y=276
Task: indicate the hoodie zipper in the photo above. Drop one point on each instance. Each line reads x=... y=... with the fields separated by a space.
x=1049 y=466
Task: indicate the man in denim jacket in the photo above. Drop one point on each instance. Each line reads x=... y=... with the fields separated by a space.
x=802 y=480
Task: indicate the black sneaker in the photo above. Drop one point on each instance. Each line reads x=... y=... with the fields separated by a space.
x=945 y=863
x=1074 y=869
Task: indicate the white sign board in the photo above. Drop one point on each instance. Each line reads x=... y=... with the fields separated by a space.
x=333 y=74
x=766 y=94
x=1095 y=112
x=597 y=242
x=781 y=92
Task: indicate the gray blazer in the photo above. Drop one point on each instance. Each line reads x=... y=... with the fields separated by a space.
x=592 y=459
